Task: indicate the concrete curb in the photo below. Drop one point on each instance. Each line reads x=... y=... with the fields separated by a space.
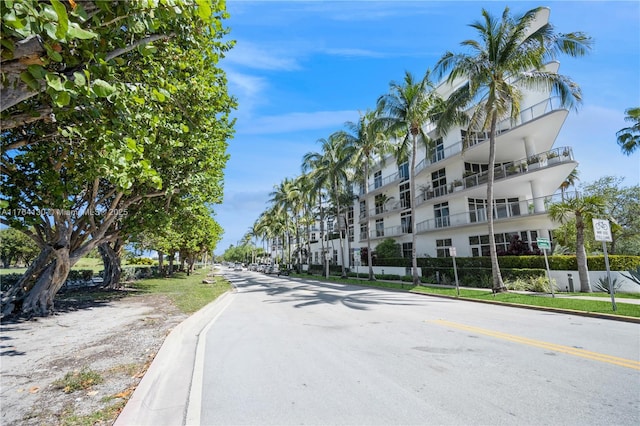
x=162 y=396
x=538 y=308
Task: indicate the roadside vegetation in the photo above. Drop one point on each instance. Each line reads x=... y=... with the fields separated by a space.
x=187 y=291
x=534 y=299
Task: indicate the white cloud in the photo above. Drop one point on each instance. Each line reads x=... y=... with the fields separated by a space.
x=298 y=121
x=351 y=52
x=253 y=56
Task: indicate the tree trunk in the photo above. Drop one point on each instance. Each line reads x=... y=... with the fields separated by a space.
x=39 y=301
x=581 y=256
x=12 y=298
x=112 y=264
x=412 y=190
x=172 y=254
x=160 y=263
x=498 y=284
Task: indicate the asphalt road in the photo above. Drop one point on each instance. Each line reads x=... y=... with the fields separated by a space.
x=292 y=352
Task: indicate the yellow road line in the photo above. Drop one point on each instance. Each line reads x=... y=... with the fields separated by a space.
x=622 y=362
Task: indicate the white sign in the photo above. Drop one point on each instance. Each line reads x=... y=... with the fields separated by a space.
x=602 y=230
x=452 y=251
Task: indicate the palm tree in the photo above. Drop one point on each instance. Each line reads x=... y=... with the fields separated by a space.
x=509 y=55
x=570 y=180
x=404 y=111
x=330 y=170
x=629 y=137
x=369 y=142
x=285 y=202
x=583 y=209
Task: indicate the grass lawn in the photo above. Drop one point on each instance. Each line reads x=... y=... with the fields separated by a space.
x=187 y=292
x=561 y=301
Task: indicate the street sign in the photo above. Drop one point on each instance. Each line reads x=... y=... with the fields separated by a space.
x=452 y=251
x=601 y=230
x=543 y=243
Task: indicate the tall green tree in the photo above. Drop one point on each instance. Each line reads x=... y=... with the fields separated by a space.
x=582 y=209
x=145 y=134
x=370 y=144
x=509 y=55
x=405 y=110
x=331 y=169
x=623 y=208
x=629 y=137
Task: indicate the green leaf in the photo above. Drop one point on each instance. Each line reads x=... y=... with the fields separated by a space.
x=28 y=79
x=159 y=96
x=79 y=79
x=204 y=10
x=102 y=89
x=76 y=32
x=63 y=19
x=62 y=99
x=184 y=128
x=53 y=81
x=37 y=71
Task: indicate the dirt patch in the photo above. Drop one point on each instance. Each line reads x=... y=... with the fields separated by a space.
x=116 y=338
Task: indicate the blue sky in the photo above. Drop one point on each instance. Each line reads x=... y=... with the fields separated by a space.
x=301 y=69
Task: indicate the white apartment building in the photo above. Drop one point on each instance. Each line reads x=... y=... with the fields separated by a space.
x=450 y=201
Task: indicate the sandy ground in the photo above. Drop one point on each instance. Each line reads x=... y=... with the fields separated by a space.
x=117 y=339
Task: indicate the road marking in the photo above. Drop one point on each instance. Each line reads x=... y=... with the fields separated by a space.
x=622 y=362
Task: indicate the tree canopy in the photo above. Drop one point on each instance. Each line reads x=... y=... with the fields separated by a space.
x=156 y=127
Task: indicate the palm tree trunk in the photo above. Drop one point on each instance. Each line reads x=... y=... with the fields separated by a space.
x=498 y=284
x=366 y=212
x=412 y=191
x=581 y=256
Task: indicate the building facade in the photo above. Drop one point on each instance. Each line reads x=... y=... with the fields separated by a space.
x=451 y=191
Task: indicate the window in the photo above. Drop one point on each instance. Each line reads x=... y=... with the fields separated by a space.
x=350 y=215
x=380 y=228
x=442 y=247
x=480 y=243
x=363 y=209
x=439 y=182
x=407 y=250
x=377 y=179
x=438 y=151
x=313 y=237
x=405 y=196
x=380 y=198
x=405 y=222
x=477 y=210
x=403 y=171
x=474 y=168
x=441 y=214
x=363 y=231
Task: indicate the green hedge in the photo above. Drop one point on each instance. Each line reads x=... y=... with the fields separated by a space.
x=561 y=263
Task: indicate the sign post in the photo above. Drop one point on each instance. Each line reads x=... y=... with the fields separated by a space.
x=545 y=244
x=452 y=253
x=602 y=232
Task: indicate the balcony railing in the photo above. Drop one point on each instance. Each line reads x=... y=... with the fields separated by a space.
x=521 y=166
x=501 y=211
x=529 y=114
x=391 y=231
x=386 y=208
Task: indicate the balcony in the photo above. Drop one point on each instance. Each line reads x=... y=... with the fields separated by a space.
x=388 y=207
x=528 y=115
x=524 y=165
x=501 y=212
x=389 y=232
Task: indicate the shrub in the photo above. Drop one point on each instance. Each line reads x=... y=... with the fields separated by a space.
x=603 y=285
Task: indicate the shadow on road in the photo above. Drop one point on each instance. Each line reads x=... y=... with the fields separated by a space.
x=304 y=293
